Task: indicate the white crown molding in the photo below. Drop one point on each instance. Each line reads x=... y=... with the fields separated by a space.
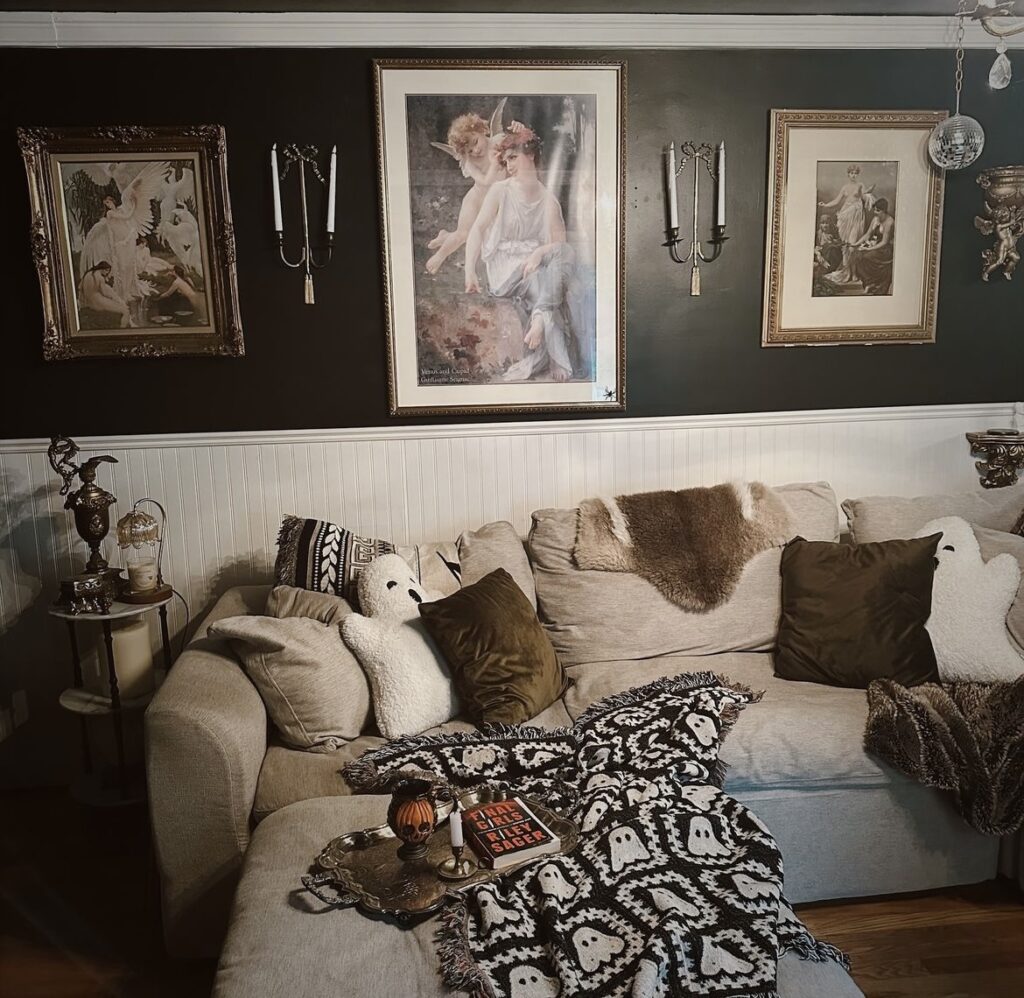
x=68 y=29
x=987 y=414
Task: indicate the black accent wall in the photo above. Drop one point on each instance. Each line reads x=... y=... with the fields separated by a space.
x=323 y=366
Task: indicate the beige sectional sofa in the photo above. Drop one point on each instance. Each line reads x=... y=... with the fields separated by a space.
x=847 y=824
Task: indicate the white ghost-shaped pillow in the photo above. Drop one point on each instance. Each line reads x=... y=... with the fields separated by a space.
x=970 y=601
x=411 y=686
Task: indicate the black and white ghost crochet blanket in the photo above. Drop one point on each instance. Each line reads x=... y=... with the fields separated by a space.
x=675 y=888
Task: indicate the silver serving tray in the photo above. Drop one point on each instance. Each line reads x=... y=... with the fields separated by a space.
x=363 y=868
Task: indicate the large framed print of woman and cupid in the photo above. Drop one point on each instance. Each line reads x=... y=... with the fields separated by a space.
x=501 y=189
x=854 y=228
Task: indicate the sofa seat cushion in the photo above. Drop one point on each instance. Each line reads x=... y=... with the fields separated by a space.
x=282 y=943
x=801 y=735
x=289 y=775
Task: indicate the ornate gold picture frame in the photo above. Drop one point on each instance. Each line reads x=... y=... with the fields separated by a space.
x=502 y=197
x=132 y=238
x=854 y=228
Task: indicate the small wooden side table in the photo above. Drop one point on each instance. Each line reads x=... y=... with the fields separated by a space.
x=80 y=701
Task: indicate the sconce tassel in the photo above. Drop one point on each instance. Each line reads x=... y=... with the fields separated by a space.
x=695 y=282
x=310 y=297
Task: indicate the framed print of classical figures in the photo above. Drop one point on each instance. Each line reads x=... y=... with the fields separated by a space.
x=501 y=187
x=133 y=241
x=854 y=228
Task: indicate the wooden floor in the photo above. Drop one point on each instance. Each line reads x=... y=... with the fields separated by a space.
x=79 y=919
x=964 y=942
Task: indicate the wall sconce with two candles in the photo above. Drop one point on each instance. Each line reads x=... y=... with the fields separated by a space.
x=713 y=161
x=304 y=156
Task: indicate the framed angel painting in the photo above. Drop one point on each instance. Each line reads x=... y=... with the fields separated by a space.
x=501 y=190
x=132 y=239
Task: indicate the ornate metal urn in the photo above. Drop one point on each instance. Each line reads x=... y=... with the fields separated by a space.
x=90 y=504
x=1003 y=218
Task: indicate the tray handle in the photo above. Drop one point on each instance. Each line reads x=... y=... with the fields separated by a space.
x=324 y=887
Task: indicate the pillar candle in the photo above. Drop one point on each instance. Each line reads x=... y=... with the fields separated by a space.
x=133 y=660
x=332 y=190
x=278 y=223
x=720 y=172
x=670 y=185
x=455 y=824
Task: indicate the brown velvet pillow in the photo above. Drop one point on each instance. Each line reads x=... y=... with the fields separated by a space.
x=501 y=659
x=854 y=613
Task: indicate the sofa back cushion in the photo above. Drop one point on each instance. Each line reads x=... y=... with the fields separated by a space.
x=886 y=518
x=596 y=616
x=492 y=546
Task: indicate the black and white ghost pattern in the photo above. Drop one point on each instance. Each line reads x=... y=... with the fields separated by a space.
x=675 y=888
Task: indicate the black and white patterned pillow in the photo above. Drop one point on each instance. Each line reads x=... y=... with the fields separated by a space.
x=325 y=558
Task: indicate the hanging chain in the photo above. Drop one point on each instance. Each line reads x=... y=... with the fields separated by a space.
x=961 y=13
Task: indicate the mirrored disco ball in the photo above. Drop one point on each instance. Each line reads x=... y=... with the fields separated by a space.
x=956 y=142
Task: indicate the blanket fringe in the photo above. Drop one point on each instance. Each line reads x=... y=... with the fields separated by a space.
x=364 y=773
x=670 y=684
x=286 y=564
x=816 y=951
x=459 y=970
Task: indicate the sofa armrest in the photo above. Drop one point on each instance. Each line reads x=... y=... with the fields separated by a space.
x=206 y=736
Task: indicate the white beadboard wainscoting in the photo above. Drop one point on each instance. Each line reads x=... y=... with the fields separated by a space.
x=225 y=494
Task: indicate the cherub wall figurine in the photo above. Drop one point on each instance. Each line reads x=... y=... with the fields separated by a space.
x=472 y=143
x=1006 y=222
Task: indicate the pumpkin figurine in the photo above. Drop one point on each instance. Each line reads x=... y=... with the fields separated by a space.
x=412 y=816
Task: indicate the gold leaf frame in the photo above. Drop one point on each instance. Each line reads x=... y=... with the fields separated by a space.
x=618 y=402
x=48 y=240
x=772 y=334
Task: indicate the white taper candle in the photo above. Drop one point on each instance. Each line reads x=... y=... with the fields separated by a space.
x=332 y=189
x=720 y=172
x=278 y=223
x=455 y=824
x=670 y=184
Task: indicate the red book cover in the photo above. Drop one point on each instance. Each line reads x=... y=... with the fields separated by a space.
x=506 y=832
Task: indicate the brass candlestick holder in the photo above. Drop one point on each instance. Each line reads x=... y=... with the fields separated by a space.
x=457 y=866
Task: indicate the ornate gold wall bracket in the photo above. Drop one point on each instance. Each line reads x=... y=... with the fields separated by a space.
x=1003 y=456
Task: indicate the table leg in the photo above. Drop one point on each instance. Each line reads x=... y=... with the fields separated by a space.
x=166 y=639
x=115 y=702
x=76 y=662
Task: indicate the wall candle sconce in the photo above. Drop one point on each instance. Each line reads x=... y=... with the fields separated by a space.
x=699 y=155
x=303 y=155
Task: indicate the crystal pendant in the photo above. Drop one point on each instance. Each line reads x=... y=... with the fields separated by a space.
x=1001 y=73
x=956 y=142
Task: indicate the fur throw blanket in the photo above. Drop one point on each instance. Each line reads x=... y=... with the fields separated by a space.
x=675 y=888
x=690 y=545
x=967 y=738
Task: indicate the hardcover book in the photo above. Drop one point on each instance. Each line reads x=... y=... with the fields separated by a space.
x=507 y=832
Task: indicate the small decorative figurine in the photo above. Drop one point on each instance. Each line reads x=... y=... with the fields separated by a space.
x=1003 y=218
